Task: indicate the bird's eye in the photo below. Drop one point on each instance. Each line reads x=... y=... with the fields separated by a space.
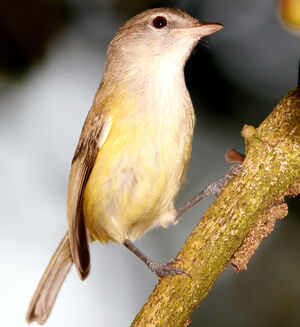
x=159 y=22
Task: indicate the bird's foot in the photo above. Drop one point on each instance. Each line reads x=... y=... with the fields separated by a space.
x=234 y=170
x=166 y=269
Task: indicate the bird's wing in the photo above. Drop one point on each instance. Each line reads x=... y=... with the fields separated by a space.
x=93 y=136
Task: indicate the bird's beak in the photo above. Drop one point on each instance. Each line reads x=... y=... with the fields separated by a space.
x=200 y=29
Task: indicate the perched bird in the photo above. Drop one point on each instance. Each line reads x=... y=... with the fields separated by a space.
x=134 y=148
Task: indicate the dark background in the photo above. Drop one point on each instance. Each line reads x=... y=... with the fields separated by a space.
x=51 y=62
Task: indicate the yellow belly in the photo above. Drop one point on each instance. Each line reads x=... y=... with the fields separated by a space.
x=136 y=177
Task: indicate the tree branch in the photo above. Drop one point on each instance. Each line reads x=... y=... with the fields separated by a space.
x=273 y=170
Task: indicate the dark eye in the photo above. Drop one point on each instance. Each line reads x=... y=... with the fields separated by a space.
x=159 y=22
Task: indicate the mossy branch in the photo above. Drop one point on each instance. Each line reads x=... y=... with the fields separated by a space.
x=273 y=170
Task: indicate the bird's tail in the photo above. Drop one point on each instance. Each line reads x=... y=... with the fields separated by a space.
x=45 y=295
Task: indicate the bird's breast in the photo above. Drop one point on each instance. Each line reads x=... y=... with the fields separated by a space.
x=139 y=169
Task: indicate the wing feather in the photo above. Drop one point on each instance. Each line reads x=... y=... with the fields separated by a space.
x=93 y=135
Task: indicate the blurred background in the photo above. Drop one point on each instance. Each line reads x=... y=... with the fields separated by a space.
x=51 y=62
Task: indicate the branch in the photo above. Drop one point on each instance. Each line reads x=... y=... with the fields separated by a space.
x=273 y=170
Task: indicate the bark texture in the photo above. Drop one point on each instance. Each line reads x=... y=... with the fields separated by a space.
x=273 y=170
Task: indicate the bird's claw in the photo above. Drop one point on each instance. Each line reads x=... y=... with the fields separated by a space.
x=162 y=270
x=173 y=261
x=235 y=170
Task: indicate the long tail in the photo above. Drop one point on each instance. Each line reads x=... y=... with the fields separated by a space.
x=45 y=295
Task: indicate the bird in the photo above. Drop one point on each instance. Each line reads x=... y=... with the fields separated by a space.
x=133 y=152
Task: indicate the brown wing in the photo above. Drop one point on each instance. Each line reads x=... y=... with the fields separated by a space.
x=93 y=135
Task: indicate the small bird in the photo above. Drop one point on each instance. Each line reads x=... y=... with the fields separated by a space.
x=132 y=156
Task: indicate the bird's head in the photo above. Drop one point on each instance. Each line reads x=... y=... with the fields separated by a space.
x=157 y=36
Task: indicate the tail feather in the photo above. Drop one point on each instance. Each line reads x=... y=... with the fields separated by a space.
x=45 y=295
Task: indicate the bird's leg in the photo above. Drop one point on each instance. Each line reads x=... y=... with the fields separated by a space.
x=214 y=188
x=166 y=269
x=159 y=269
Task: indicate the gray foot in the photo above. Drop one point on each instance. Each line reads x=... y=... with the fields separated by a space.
x=166 y=269
x=234 y=170
x=214 y=188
